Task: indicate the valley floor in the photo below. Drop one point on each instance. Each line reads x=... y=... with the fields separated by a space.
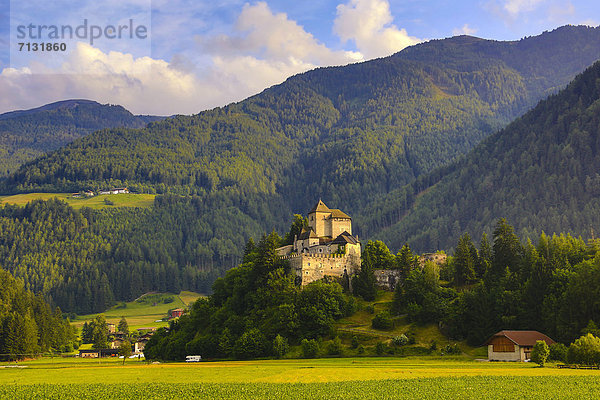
x=347 y=378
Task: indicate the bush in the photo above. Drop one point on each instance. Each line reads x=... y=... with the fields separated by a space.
x=354 y=343
x=558 y=352
x=370 y=309
x=280 y=346
x=310 y=348
x=168 y=300
x=585 y=350
x=401 y=340
x=251 y=344
x=540 y=353
x=360 y=349
x=412 y=337
x=380 y=348
x=383 y=320
x=433 y=345
x=451 y=349
x=334 y=347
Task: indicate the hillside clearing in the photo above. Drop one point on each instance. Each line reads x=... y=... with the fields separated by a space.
x=96 y=202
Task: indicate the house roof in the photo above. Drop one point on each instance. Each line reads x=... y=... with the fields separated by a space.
x=344 y=238
x=319 y=207
x=522 y=338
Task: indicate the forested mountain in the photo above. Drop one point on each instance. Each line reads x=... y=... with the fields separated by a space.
x=540 y=172
x=350 y=135
x=343 y=133
x=27 y=134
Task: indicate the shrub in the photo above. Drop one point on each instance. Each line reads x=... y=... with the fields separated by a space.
x=360 y=349
x=558 y=352
x=380 y=348
x=168 y=300
x=335 y=346
x=383 y=320
x=433 y=345
x=354 y=343
x=251 y=344
x=401 y=340
x=412 y=337
x=540 y=353
x=585 y=350
x=280 y=346
x=370 y=309
x=451 y=349
x=310 y=348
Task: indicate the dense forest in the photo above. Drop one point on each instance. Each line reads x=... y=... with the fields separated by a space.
x=540 y=172
x=84 y=260
x=551 y=286
x=257 y=311
x=28 y=325
x=27 y=134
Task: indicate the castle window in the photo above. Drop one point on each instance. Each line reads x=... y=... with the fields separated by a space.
x=308 y=265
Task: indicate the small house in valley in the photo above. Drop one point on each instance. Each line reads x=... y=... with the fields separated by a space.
x=514 y=345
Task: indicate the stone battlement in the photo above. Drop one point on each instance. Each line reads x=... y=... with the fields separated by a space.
x=312 y=255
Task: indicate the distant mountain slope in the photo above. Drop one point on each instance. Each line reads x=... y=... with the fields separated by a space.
x=351 y=135
x=541 y=173
x=345 y=133
x=27 y=134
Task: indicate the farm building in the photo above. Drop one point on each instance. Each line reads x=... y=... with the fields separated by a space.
x=176 y=313
x=514 y=345
x=98 y=353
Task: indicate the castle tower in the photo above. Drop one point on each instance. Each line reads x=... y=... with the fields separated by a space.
x=317 y=217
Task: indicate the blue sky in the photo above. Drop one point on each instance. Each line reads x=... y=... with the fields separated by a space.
x=202 y=54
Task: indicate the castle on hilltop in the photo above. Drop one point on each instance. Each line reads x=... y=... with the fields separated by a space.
x=326 y=248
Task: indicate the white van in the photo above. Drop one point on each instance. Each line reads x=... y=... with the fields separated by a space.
x=193 y=358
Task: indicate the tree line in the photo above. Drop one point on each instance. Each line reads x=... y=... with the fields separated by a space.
x=28 y=325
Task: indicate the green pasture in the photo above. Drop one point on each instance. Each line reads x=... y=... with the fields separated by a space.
x=144 y=311
x=95 y=202
x=332 y=378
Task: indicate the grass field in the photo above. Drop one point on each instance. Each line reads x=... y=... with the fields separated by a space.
x=334 y=378
x=145 y=311
x=96 y=202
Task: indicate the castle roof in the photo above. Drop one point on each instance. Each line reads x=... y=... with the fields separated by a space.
x=307 y=233
x=335 y=213
x=320 y=207
x=345 y=238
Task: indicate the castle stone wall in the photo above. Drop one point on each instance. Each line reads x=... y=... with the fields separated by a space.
x=312 y=267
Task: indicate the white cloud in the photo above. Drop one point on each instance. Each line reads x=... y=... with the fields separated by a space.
x=264 y=49
x=514 y=7
x=465 y=30
x=369 y=24
x=269 y=36
x=142 y=85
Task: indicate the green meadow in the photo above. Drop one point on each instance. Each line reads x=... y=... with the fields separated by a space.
x=95 y=202
x=330 y=378
x=146 y=311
